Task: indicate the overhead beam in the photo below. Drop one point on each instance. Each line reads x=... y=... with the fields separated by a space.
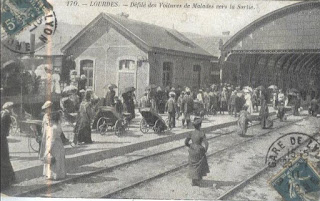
x=294 y=63
x=301 y=62
x=307 y=62
x=313 y=62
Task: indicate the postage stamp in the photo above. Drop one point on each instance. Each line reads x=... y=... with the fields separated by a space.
x=298 y=182
x=18 y=14
x=27 y=26
x=287 y=147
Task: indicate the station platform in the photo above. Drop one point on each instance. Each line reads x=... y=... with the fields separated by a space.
x=27 y=165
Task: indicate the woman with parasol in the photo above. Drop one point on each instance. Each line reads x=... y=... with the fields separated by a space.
x=128 y=101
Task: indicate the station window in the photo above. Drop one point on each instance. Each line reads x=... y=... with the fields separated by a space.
x=86 y=68
x=127 y=64
x=197 y=75
x=167 y=74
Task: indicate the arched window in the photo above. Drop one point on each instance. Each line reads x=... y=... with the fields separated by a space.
x=86 y=68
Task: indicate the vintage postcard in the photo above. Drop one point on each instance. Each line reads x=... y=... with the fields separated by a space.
x=160 y=100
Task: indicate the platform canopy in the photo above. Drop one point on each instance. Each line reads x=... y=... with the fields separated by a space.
x=281 y=48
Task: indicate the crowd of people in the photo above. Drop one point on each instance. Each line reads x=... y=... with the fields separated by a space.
x=178 y=103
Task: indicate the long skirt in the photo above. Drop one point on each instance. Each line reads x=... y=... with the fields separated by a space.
x=198 y=164
x=243 y=126
x=295 y=109
x=281 y=113
x=266 y=122
x=7 y=174
x=57 y=170
x=84 y=134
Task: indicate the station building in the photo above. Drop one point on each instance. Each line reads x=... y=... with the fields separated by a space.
x=280 y=48
x=115 y=49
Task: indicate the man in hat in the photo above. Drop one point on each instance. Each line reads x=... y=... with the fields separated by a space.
x=171 y=109
x=187 y=107
x=233 y=98
x=179 y=104
x=7 y=173
x=110 y=96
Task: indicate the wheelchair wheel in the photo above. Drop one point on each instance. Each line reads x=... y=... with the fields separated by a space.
x=119 y=127
x=34 y=145
x=144 y=127
x=14 y=126
x=156 y=127
x=168 y=124
x=102 y=125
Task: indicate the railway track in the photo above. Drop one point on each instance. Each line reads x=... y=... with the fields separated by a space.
x=227 y=194
x=258 y=173
x=142 y=181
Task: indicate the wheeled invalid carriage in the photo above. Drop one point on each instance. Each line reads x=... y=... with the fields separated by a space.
x=107 y=118
x=152 y=120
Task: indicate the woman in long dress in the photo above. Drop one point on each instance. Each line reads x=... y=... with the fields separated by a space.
x=198 y=165
x=83 y=125
x=244 y=119
x=247 y=97
x=7 y=173
x=52 y=146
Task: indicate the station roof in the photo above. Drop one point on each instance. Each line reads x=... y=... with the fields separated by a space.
x=148 y=36
x=288 y=37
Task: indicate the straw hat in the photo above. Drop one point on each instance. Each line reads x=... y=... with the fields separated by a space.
x=7 y=105
x=46 y=105
x=172 y=93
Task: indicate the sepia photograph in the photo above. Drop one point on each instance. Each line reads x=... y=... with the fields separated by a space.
x=160 y=100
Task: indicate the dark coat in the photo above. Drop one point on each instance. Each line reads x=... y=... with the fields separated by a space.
x=7 y=174
x=110 y=98
x=187 y=104
x=171 y=106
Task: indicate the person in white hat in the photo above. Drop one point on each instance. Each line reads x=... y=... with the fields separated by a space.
x=46 y=107
x=171 y=109
x=55 y=87
x=7 y=173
